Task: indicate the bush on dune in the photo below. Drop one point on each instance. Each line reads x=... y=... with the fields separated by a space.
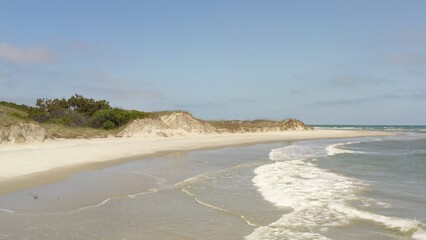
x=115 y=117
x=78 y=111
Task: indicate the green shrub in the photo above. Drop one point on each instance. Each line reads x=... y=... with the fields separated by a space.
x=108 y=125
x=87 y=106
x=117 y=116
x=38 y=115
x=18 y=115
x=21 y=107
x=78 y=111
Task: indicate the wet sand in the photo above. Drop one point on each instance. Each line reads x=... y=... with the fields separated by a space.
x=142 y=199
x=28 y=165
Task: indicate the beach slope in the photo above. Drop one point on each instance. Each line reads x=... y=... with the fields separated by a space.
x=28 y=165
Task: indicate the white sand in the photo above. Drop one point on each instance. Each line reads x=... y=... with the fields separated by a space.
x=17 y=160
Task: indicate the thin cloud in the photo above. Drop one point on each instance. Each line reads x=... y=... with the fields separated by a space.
x=125 y=93
x=421 y=95
x=295 y=92
x=91 y=50
x=90 y=83
x=115 y=88
x=356 y=81
x=243 y=100
x=341 y=102
x=202 y=105
x=32 y=55
x=228 y=103
x=3 y=74
x=406 y=59
x=99 y=76
x=415 y=35
x=418 y=95
x=82 y=47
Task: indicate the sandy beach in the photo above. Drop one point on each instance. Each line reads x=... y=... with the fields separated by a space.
x=217 y=186
x=28 y=165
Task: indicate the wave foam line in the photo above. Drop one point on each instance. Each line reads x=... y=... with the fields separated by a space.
x=402 y=224
x=8 y=211
x=335 y=149
x=193 y=179
x=220 y=209
x=207 y=175
x=157 y=179
x=152 y=190
x=90 y=206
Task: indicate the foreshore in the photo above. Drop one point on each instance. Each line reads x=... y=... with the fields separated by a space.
x=28 y=165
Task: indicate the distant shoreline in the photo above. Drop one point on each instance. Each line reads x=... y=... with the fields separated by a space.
x=28 y=165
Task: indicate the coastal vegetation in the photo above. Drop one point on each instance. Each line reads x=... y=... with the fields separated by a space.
x=76 y=111
x=11 y=113
x=79 y=111
x=259 y=125
x=75 y=117
x=81 y=117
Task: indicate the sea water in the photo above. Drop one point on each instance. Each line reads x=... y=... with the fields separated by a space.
x=358 y=188
x=369 y=188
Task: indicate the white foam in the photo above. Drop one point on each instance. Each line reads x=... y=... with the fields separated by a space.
x=159 y=180
x=403 y=225
x=319 y=198
x=81 y=209
x=6 y=211
x=91 y=206
x=307 y=190
x=152 y=190
x=185 y=190
x=335 y=149
x=419 y=235
x=400 y=224
x=296 y=152
x=301 y=152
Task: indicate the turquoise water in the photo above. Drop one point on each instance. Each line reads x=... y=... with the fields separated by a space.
x=358 y=188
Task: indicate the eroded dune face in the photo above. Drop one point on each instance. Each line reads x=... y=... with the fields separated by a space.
x=184 y=124
x=175 y=124
x=22 y=133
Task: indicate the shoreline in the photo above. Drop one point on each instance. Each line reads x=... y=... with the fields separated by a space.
x=28 y=165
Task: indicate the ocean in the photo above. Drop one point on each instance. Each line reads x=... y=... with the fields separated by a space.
x=355 y=188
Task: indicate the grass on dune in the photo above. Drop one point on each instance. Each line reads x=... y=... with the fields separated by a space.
x=10 y=115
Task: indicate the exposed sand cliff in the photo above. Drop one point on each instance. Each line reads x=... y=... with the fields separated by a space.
x=174 y=124
x=22 y=133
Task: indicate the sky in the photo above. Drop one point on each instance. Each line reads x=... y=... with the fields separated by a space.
x=324 y=62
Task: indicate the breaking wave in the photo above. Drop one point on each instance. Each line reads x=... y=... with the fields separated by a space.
x=335 y=149
x=318 y=199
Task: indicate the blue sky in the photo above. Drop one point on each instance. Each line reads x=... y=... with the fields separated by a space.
x=324 y=62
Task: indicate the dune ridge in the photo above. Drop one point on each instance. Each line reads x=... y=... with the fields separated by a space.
x=172 y=124
x=185 y=124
